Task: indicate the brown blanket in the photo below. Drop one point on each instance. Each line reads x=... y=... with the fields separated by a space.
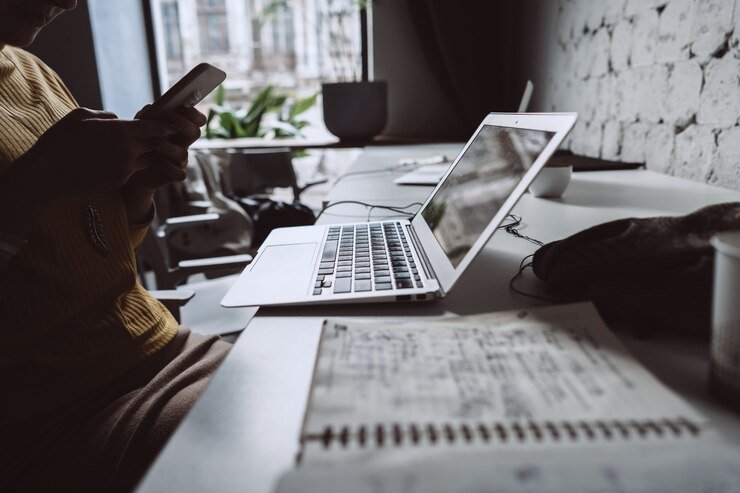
x=650 y=274
x=107 y=440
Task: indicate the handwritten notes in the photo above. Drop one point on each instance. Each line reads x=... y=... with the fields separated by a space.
x=547 y=364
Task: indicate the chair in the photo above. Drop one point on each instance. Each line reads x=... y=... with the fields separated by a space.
x=256 y=171
x=154 y=252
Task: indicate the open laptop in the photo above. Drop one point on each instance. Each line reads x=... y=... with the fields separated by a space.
x=417 y=259
x=432 y=173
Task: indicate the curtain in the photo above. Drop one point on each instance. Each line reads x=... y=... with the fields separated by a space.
x=478 y=51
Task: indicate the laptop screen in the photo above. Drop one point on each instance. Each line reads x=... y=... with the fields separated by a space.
x=482 y=180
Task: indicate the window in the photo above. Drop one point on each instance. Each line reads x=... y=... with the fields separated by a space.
x=213 y=29
x=171 y=25
x=293 y=45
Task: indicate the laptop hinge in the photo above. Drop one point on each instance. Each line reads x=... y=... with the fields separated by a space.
x=425 y=264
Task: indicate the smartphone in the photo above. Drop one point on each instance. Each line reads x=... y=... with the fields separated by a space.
x=188 y=91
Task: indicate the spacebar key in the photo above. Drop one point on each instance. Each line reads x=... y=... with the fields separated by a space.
x=342 y=285
x=330 y=251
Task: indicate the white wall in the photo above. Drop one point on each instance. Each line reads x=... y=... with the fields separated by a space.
x=654 y=81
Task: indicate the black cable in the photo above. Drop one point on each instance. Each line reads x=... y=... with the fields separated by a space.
x=511 y=229
x=397 y=209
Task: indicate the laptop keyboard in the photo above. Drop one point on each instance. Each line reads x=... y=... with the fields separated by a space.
x=366 y=257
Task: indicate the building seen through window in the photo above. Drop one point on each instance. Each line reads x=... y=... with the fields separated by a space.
x=293 y=45
x=212 y=27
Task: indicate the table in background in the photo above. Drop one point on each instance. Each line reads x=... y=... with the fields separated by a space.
x=243 y=432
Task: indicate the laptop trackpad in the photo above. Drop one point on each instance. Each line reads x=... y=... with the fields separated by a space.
x=282 y=271
x=290 y=258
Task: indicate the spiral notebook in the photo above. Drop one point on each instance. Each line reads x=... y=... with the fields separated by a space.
x=545 y=377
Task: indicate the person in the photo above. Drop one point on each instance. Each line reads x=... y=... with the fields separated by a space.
x=96 y=373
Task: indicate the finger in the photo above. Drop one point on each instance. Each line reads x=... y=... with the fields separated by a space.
x=163 y=174
x=174 y=173
x=142 y=111
x=147 y=130
x=176 y=154
x=183 y=126
x=88 y=114
x=192 y=114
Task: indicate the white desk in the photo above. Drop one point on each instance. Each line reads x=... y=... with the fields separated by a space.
x=243 y=432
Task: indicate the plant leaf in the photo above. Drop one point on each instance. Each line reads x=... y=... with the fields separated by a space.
x=302 y=105
x=277 y=103
x=284 y=129
x=261 y=102
x=219 y=96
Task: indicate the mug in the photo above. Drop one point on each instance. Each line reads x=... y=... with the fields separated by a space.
x=552 y=180
x=725 y=346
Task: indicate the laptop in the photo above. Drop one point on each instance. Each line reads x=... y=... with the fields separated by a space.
x=417 y=259
x=432 y=173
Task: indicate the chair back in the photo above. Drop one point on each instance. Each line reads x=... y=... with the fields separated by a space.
x=154 y=253
x=256 y=171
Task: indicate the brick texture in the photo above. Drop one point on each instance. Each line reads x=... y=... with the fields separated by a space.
x=654 y=81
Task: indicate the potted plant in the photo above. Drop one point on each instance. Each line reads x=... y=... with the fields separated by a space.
x=225 y=122
x=355 y=108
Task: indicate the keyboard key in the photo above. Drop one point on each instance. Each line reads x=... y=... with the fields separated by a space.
x=318 y=284
x=317 y=291
x=344 y=263
x=319 y=278
x=326 y=265
x=381 y=273
x=362 y=286
x=383 y=286
x=419 y=285
x=344 y=268
x=382 y=279
x=362 y=270
x=343 y=274
x=326 y=284
x=417 y=278
x=323 y=272
x=330 y=251
x=343 y=285
x=404 y=283
x=402 y=275
x=362 y=276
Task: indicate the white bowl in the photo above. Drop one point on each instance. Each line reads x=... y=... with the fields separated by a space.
x=551 y=181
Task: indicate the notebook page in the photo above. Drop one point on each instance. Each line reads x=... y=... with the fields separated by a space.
x=701 y=467
x=552 y=364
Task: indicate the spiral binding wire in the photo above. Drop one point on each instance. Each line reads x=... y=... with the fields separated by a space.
x=502 y=433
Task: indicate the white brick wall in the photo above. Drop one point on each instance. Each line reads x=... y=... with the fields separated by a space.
x=654 y=81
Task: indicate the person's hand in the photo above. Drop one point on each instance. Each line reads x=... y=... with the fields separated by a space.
x=88 y=151
x=166 y=164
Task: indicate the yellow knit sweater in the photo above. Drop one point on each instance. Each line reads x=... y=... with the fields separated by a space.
x=71 y=320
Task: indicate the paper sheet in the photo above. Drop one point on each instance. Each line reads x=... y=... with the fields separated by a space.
x=550 y=364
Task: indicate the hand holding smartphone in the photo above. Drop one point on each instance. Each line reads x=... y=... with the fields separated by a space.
x=187 y=92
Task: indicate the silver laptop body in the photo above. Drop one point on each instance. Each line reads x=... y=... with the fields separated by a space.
x=417 y=259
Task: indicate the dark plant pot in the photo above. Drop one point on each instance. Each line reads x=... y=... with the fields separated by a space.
x=355 y=110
